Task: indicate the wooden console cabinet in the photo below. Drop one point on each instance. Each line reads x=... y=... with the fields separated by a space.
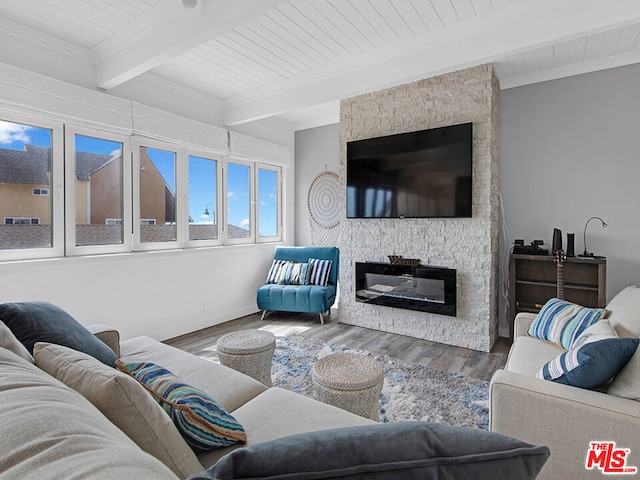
x=532 y=281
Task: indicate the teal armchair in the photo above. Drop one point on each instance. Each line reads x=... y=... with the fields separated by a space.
x=306 y=297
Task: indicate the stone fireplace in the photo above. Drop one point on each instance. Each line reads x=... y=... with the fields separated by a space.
x=467 y=245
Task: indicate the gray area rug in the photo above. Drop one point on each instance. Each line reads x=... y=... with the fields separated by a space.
x=410 y=392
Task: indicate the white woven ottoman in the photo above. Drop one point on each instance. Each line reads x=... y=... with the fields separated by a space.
x=350 y=381
x=249 y=352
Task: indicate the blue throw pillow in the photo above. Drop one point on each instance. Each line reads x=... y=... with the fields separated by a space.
x=294 y=273
x=274 y=273
x=203 y=423
x=320 y=271
x=591 y=364
x=403 y=450
x=562 y=322
x=33 y=322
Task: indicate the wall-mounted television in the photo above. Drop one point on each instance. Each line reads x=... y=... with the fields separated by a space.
x=411 y=175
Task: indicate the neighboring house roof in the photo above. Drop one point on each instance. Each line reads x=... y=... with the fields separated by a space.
x=31 y=165
x=28 y=166
x=89 y=163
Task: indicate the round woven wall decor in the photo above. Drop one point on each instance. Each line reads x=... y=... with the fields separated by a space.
x=324 y=199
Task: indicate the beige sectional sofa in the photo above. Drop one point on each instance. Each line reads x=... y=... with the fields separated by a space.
x=49 y=430
x=568 y=418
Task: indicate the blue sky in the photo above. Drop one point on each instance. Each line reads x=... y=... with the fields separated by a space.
x=202 y=177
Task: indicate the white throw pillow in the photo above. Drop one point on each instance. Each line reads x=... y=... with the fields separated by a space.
x=624 y=312
x=123 y=401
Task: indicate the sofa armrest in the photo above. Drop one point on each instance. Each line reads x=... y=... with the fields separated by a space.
x=109 y=335
x=562 y=417
x=522 y=323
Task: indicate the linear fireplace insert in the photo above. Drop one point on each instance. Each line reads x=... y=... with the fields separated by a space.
x=413 y=287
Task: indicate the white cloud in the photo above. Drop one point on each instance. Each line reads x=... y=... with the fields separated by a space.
x=12 y=132
x=232 y=195
x=244 y=222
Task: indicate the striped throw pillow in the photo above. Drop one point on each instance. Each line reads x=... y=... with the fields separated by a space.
x=293 y=273
x=562 y=322
x=591 y=364
x=203 y=423
x=320 y=270
x=274 y=272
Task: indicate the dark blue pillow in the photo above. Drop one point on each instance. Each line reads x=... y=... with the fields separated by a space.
x=591 y=364
x=33 y=322
x=403 y=450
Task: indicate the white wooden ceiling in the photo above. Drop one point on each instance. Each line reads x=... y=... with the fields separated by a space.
x=296 y=59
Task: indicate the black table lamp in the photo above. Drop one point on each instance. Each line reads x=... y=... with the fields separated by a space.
x=587 y=253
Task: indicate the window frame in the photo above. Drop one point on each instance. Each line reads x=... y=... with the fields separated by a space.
x=70 y=192
x=278 y=171
x=208 y=155
x=252 y=202
x=136 y=143
x=56 y=190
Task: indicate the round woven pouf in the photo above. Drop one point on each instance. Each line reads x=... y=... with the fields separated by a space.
x=249 y=352
x=351 y=381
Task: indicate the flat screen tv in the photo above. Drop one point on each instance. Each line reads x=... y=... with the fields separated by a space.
x=411 y=175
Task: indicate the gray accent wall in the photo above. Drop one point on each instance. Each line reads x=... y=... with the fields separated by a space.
x=570 y=150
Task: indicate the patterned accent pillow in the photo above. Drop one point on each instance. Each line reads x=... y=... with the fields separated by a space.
x=274 y=272
x=203 y=423
x=320 y=270
x=562 y=322
x=293 y=273
x=591 y=364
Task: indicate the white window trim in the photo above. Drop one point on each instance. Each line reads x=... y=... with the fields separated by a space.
x=137 y=143
x=70 y=192
x=252 y=202
x=56 y=189
x=278 y=171
x=218 y=214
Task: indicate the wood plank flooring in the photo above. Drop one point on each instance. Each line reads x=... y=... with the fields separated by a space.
x=453 y=359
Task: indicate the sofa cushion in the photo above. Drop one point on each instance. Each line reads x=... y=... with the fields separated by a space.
x=561 y=322
x=527 y=355
x=230 y=388
x=289 y=413
x=320 y=271
x=407 y=450
x=9 y=341
x=51 y=431
x=624 y=312
x=590 y=364
x=123 y=401
x=33 y=322
x=203 y=423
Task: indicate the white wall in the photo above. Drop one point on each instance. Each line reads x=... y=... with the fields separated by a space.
x=160 y=294
x=316 y=151
x=569 y=150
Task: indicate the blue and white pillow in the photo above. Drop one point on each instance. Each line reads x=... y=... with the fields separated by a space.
x=562 y=322
x=293 y=273
x=590 y=364
x=274 y=272
x=203 y=422
x=320 y=271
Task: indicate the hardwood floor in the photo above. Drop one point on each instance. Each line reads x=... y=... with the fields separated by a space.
x=460 y=360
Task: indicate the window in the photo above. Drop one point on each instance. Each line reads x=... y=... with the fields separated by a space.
x=30 y=165
x=268 y=191
x=95 y=191
x=156 y=206
x=71 y=190
x=239 y=217
x=203 y=200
